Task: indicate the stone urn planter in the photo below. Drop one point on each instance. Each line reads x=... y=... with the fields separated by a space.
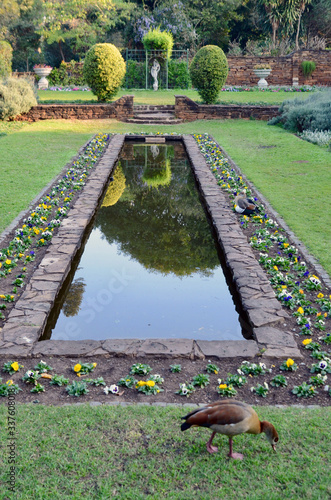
x=262 y=73
x=42 y=72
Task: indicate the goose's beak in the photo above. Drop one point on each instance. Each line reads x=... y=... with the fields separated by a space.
x=273 y=447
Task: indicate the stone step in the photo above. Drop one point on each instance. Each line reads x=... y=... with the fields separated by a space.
x=154 y=116
x=152 y=107
x=151 y=121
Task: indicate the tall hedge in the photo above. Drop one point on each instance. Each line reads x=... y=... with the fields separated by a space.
x=17 y=96
x=156 y=39
x=209 y=71
x=6 y=54
x=104 y=70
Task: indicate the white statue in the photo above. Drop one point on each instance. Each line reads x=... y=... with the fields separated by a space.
x=155 y=151
x=154 y=72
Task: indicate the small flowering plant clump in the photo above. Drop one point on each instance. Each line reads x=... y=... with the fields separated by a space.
x=185 y=389
x=226 y=390
x=140 y=369
x=43 y=367
x=96 y=381
x=255 y=369
x=210 y=368
x=83 y=368
x=236 y=380
x=38 y=388
x=113 y=389
x=327 y=338
x=279 y=381
x=175 y=368
x=261 y=390
x=77 y=389
x=157 y=378
x=318 y=379
x=304 y=390
x=289 y=365
x=323 y=367
x=12 y=367
x=8 y=388
x=128 y=381
x=31 y=377
x=148 y=387
x=200 y=380
x=59 y=380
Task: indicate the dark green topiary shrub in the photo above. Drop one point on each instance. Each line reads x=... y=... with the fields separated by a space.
x=17 y=96
x=104 y=70
x=6 y=53
x=313 y=113
x=135 y=74
x=156 y=39
x=308 y=67
x=209 y=70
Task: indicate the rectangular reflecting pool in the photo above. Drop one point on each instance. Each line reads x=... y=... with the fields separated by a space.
x=150 y=267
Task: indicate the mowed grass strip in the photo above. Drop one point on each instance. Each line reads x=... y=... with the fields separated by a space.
x=140 y=452
x=292 y=174
x=168 y=96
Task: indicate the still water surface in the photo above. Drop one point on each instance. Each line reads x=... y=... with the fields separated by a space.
x=150 y=267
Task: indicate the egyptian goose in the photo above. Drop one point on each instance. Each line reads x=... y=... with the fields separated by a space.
x=231 y=418
x=244 y=205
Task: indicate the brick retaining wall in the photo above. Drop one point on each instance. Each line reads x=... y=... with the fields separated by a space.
x=120 y=109
x=285 y=70
x=188 y=110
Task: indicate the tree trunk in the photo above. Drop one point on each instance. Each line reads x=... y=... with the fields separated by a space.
x=61 y=51
x=298 y=31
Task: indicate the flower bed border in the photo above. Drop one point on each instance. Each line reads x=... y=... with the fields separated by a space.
x=27 y=320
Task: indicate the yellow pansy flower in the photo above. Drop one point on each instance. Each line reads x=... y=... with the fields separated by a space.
x=301 y=311
x=289 y=362
x=15 y=366
x=150 y=383
x=77 y=368
x=222 y=386
x=307 y=341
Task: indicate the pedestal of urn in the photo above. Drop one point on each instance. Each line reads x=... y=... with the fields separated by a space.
x=262 y=74
x=42 y=72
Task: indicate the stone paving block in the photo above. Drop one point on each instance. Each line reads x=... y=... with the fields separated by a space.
x=74 y=348
x=15 y=351
x=20 y=334
x=282 y=352
x=260 y=317
x=122 y=347
x=228 y=348
x=181 y=348
x=274 y=336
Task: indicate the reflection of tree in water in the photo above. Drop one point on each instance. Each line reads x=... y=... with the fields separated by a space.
x=165 y=229
x=74 y=298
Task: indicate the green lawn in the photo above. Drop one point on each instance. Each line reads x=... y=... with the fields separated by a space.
x=137 y=453
x=168 y=96
x=293 y=175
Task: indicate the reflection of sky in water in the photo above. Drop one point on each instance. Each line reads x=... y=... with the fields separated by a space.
x=122 y=299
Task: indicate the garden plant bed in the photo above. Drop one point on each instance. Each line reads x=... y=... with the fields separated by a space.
x=274 y=332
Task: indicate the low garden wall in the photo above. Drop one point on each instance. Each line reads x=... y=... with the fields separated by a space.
x=188 y=110
x=285 y=70
x=120 y=110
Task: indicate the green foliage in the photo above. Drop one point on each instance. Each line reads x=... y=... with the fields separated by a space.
x=104 y=70
x=156 y=39
x=70 y=73
x=312 y=114
x=17 y=96
x=135 y=74
x=209 y=70
x=6 y=53
x=178 y=75
x=308 y=67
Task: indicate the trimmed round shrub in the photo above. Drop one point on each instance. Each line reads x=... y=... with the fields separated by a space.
x=156 y=39
x=17 y=96
x=6 y=54
x=209 y=71
x=104 y=70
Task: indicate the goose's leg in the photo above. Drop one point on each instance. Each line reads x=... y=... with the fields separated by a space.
x=210 y=448
x=236 y=456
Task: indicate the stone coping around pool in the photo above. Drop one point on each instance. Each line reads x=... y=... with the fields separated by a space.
x=27 y=320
